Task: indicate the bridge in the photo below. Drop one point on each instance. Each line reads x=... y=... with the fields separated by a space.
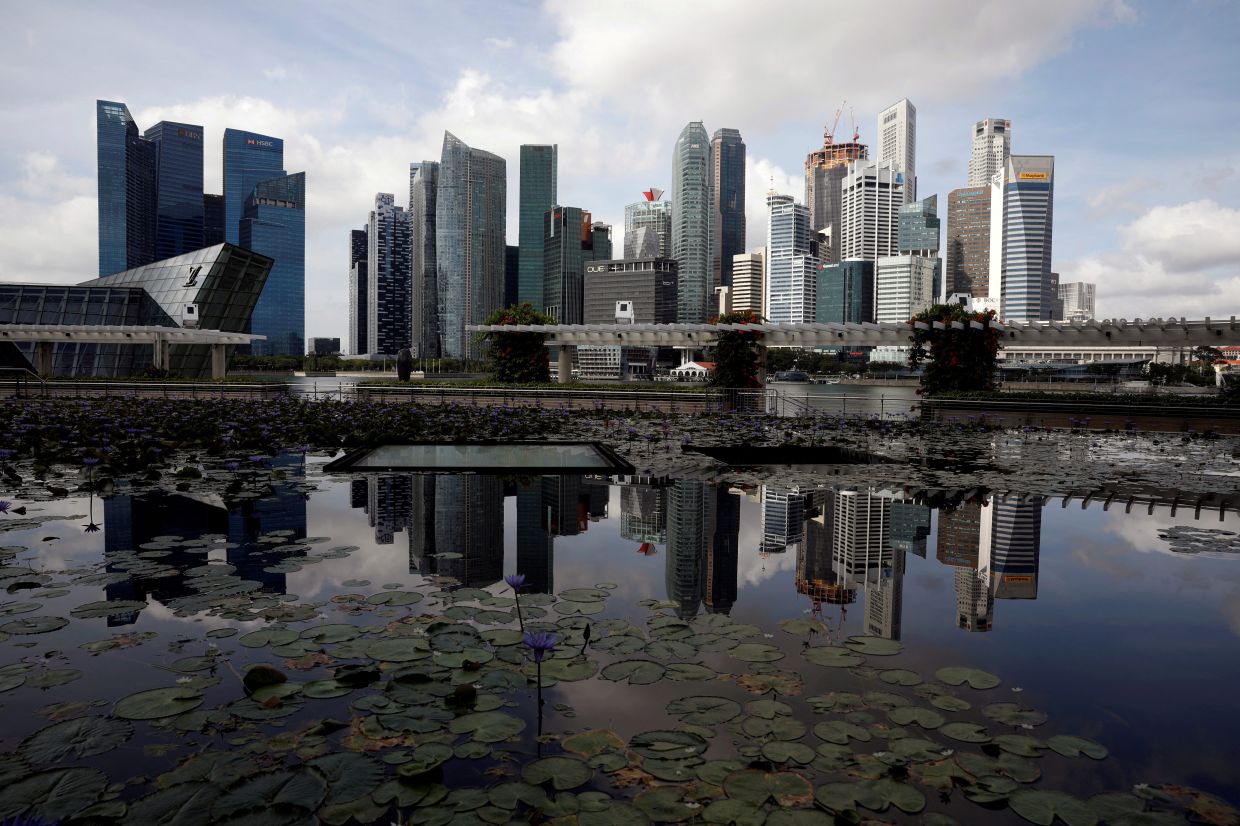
x=1152 y=332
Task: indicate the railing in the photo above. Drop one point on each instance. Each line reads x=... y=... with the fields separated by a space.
x=140 y=389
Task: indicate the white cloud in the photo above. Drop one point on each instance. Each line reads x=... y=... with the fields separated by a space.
x=275 y=73
x=1193 y=236
x=500 y=42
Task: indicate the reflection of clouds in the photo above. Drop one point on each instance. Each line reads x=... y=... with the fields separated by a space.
x=1230 y=609
x=1140 y=531
x=751 y=568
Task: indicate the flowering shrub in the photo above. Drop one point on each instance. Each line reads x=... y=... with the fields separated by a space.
x=518 y=358
x=960 y=360
x=737 y=353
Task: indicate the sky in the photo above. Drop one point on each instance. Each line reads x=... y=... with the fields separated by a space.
x=1136 y=100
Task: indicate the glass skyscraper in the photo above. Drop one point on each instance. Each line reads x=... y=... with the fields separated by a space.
x=179 y=204
x=693 y=222
x=569 y=241
x=469 y=242
x=423 y=194
x=845 y=293
x=791 y=267
x=359 y=285
x=648 y=228
x=728 y=155
x=1021 y=218
x=249 y=158
x=127 y=185
x=388 y=270
x=539 y=170
x=274 y=223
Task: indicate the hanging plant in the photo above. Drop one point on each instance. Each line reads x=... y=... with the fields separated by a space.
x=956 y=359
x=518 y=358
x=737 y=353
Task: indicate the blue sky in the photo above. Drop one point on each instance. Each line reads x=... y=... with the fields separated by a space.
x=1135 y=99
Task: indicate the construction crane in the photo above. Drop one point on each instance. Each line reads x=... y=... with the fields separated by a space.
x=828 y=135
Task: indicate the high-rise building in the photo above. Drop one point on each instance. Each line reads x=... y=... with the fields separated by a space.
x=723 y=555
x=359 y=296
x=273 y=223
x=791 y=267
x=127 y=190
x=424 y=307
x=783 y=519
x=535 y=544
x=728 y=199
x=648 y=227
x=179 y=196
x=388 y=268
x=992 y=144
x=862 y=521
x=1052 y=306
x=910 y=526
x=324 y=346
x=512 y=274
x=643 y=513
x=1011 y=549
x=690 y=528
x=968 y=241
x=871 y=196
x=919 y=228
x=249 y=158
x=975 y=603
x=904 y=286
x=1078 y=300
x=539 y=179
x=845 y=293
x=212 y=220
x=570 y=239
x=647 y=285
x=747 y=281
x=824 y=177
x=469 y=242
x=693 y=222
x=958 y=535
x=1021 y=218
x=897 y=141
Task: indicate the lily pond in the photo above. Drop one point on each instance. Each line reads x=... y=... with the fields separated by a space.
x=253 y=640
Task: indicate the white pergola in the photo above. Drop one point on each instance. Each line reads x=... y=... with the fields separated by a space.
x=160 y=338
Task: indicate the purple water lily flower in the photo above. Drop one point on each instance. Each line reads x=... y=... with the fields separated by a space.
x=5 y=505
x=540 y=644
x=232 y=465
x=90 y=461
x=515 y=581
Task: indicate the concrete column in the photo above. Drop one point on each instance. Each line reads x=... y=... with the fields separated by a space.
x=565 y=364
x=43 y=358
x=157 y=353
x=219 y=361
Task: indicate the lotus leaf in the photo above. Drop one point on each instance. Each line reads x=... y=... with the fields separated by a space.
x=801 y=627
x=426 y=757
x=186 y=804
x=900 y=676
x=634 y=672
x=669 y=649
x=328 y=634
x=836 y=701
x=157 y=703
x=34 y=625
x=840 y=732
x=883 y=700
x=104 y=608
x=666 y=804
x=950 y=702
x=877 y=646
x=974 y=677
x=267 y=636
x=55 y=794
x=758 y=787
x=1070 y=746
x=909 y=715
x=661 y=744
x=1042 y=807
x=74 y=739
x=509 y=795
x=561 y=772
x=915 y=749
x=608 y=761
x=1020 y=744
x=53 y=677
x=752 y=652
x=768 y=709
x=349 y=775
x=782 y=751
x=301 y=788
x=1005 y=765
x=689 y=672
x=488 y=726
x=832 y=656
x=590 y=743
x=877 y=795
x=188 y=665
x=704 y=710
x=832 y=757
x=620 y=814
x=990 y=788
x=780 y=728
x=965 y=732
x=1013 y=715
x=799 y=817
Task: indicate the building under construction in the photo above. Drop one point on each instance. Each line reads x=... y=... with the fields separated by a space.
x=824 y=173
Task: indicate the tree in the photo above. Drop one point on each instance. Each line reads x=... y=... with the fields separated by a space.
x=1205 y=356
x=518 y=358
x=737 y=352
x=961 y=359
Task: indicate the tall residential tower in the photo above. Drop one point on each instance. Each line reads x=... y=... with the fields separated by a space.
x=693 y=222
x=992 y=144
x=539 y=163
x=728 y=199
x=897 y=142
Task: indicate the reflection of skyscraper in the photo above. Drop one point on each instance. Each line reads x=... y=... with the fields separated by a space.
x=421 y=522
x=690 y=525
x=388 y=501
x=816 y=578
x=535 y=546
x=862 y=523
x=974 y=602
x=783 y=518
x=469 y=520
x=724 y=553
x=643 y=513
x=1013 y=553
x=910 y=526
x=597 y=494
x=959 y=529
x=563 y=498
x=884 y=598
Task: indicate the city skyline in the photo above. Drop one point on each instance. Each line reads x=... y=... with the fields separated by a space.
x=1124 y=219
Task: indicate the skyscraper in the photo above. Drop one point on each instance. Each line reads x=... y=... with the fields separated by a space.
x=723 y=555
x=1078 y=299
x=273 y=223
x=690 y=529
x=791 y=268
x=783 y=519
x=1011 y=549
x=904 y=286
x=693 y=222
x=424 y=288
x=212 y=220
x=570 y=239
x=872 y=194
x=968 y=241
x=845 y=293
x=127 y=190
x=992 y=144
x=1021 y=218
x=539 y=172
x=747 y=281
x=897 y=141
x=728 y=202
x=469 y=242
x=388 y=271
x=648 y=227
x=824 y=176
x=249 y=158
x=179 y=196
x=359 y=292
x=919 y=228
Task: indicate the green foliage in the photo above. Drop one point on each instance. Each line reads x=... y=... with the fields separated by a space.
x=1161 y=374
x=788 y=358
x=518 y=358
x=736 y=354
x=1231 y=391
x=959 y=359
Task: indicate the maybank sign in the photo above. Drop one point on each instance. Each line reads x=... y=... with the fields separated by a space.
x=1033 y=176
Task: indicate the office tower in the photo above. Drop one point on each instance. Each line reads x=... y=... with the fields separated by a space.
x=212 y=220
x=648 y=285
x=1078 y=300
x=535 y=545
x=1011 y=549
x=273 y=223
x=904 y=286
x=249 y=158
x=884 y=597
x=791 y=267
x=690 y=528
x=862 y=522
x=324 y=346
x=728 y=202
x=469 y=242
x=824 y=177
x=992 y=144
x=975 y=604
x=570 y=239
x=693 y=222
x=968 y=242
x=871 y=196
x=783 y=519
x=388 y=268
x=359 y=292
x=1052 y=306
x=747 y=281
x=469 y=520
x=1021 y=218
x=816 y=576
x=643 y=513
x=910 y=526
x=958 y=535
x=723 y=555
x=845 y=293
x=512 y=274
x=648 y=227
x=539 y=176
x=179 y=198
x=127 y=190
x=897 y=141
x=424 y=302
x=389 y=504
x=918 y=232
x=564 y=500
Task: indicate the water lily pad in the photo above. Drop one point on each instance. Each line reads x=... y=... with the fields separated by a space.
x=666 y=804
x=990 y=788
x=1070 y=746
x=280 y=790
x=157 y=703
x=832 y=656
x=759 y=787
x=704 y=710
x=590 y=743
x=900 y=676
x=185 y=804
x=1004 y=765
x=840 y=732
x=399 y=649
x=689 y=672
x=104 y=608
x=568 y=671
x=34 y=625
x=780 y=728
x=267 y=636
x=876 y=795
x=1012 y=714
x=974 y=677
x=950 y=702
x=916 y=715
x=634 y=672
x=562 y=773
x=783 y=751
x=877 y=646
x=52 y=677
x=1042 y=807
x=488 y=726
x=1020 y=744
x=73 y=739
x=801 y=627
x=54 y=794
x=665 y=743
x=349 y=775
x=426 y=757
x=753 y=652
x=799 y=817
x=965 y=732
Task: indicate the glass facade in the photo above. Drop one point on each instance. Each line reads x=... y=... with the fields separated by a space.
x=423 y=194
x=249 y=158
x=791 y=270
x=359 y=290
x=569 y=241
x=212 y=220
x=728 y=154
x=648 y=229
x=693 y=222
x=274 y=224
x=126 y=190
x=538 y=194
x=846 y=293
x=919 y=227
x=388 y=318
x=179 y=202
